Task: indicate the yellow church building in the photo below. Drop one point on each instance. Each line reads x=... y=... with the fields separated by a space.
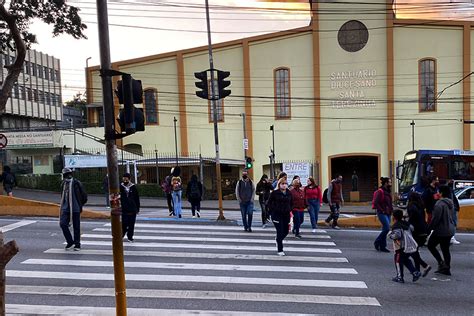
x=349 y=92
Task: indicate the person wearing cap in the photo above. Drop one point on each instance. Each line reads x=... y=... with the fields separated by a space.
x=130 y=201
x=245 y=194
x=73 y=198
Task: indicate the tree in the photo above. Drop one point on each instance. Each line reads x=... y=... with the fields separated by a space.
x=78 y=102
x=15 y=20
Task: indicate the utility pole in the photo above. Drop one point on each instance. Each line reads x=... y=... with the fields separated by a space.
x=214 y=116
x=272 y=165
x=412 y=134
x=112 y=161
x=175 y=139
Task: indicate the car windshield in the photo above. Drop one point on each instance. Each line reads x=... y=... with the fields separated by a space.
x=409 y=178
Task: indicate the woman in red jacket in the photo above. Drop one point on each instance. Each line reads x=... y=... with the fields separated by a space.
x=299 y=204
x=314 y=200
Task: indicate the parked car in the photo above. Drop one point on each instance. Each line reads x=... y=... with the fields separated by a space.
x=465 y=195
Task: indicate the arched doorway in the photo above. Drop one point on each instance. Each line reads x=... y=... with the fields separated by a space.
x=367 y=168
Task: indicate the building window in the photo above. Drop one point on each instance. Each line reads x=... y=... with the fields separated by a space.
x=27 y=67
x=22 y=93
x=219 y=104
x=427 y=84
x=47 y=98
x=46 y=73
x=35 y=95
x=151 y=106
x=56 y=75
x=29 y=94
x=52 y=74
x=40 y=71
x=282 y=93
x=33 y=69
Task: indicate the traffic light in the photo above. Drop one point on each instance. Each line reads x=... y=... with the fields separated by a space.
x=222 y=84
x=202 y=84
x=129 y=91
x=248 y=163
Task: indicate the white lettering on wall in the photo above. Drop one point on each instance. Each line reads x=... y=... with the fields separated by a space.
x=351 y=87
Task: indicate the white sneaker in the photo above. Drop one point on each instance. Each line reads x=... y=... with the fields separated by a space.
x=314 y=231
x=454 y=241
x=194 y=216
x=281 y=254
x=264 y=226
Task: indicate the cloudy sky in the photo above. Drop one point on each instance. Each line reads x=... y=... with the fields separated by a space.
x=146 y=27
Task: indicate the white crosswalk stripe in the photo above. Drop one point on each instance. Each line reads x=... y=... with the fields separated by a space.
x=202 y=263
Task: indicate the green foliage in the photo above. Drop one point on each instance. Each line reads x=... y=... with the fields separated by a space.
x=45 y=182
x=63 y=17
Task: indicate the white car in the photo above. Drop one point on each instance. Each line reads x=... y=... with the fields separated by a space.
x=465 y=195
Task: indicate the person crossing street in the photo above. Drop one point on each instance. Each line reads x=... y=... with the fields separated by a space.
x=130 y=200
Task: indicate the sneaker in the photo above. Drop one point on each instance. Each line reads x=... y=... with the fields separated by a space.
x=377 y=247
x=77 y=248
x=281 y=254
x=249 y=230
x=313 y=230
x=68 y=246
x=179 y=216
x=298 y=236
x=328 y=224
x=246 y=229
x=130 y=240
x=425 y=271
x=454 y=241
x=336 y=227
x=198 y=214
x=416 y=276
x=264 y=226
x=384 y=250
x=171 y=214
x=194 y=216
x=398 y=279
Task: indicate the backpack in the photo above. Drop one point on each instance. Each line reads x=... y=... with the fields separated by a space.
x=410 y=245
x=9 y=179
x=325 y=196
x=375 y=196
x=194 y=192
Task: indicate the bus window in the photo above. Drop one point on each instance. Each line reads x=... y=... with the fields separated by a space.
x=462 y=168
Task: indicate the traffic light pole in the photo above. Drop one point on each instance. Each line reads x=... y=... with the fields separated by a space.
x=214 y=116
x=245 y=134
x=112 y=161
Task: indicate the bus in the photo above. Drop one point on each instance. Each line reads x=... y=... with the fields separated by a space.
x=419 y=165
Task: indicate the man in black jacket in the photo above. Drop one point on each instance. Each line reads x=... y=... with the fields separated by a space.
x=130 y=201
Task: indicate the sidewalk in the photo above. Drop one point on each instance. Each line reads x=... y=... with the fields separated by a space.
x=95 y=201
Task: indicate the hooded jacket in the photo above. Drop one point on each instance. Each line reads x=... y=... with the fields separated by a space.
x=442 y=222
x=397 y=234
x=280 y=205
x=129 y=198
x=417 y=219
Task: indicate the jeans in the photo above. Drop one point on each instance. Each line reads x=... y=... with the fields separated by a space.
x=196 y=206
x=177 y=203
x=444 y=243
x=334 y=215
x=128 y=224
x=381 y=241
x=76 y=223
x=298 y=219
x=313 y=210
x=246 y=208
x=402 y=259
x=169 y=199
x=264 y=208
x=281 y=227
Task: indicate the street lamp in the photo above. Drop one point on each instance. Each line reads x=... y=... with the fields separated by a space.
x=73 y=127
x=87 y=67
x=175 y=139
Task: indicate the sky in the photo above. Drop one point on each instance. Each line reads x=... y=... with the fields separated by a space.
x=146 y=27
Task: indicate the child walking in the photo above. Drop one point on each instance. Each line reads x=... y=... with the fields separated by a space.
x=401 y=228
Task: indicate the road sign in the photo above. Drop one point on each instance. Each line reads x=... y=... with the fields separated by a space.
x=3 y=141
x=246 y=144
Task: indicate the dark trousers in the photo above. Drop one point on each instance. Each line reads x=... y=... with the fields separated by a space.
x=128 y=224
x=169 y=199
x=281 y=227
x=265 y=215
x=298 y=219
x=334 y=215
x=76 y=223
x=443 y=242
x=246 y=209
x=403 y=259
x=195 y=206
x=420 y=240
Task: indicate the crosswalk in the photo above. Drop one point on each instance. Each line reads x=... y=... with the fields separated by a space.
x=181 y=269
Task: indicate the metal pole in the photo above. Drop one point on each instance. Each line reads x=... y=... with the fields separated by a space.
x=245 y=134
x=74 y=131
x=175 y=139
x=157 y=169
x=272 y=128
x=112 y=161
x=214 y=108
x=412 y=134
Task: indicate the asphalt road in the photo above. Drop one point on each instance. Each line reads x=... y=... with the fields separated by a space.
x=175 y=268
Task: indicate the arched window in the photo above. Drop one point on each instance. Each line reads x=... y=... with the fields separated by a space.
x=151 y=106
x=427 y=84
x=282 y=93
x=219 y=104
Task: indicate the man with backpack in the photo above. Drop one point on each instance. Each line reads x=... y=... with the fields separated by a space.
x=8 y=179
x=194 y=194
x=335 y=201
x=382 y=202
x=73 y=198
x=245 y=193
